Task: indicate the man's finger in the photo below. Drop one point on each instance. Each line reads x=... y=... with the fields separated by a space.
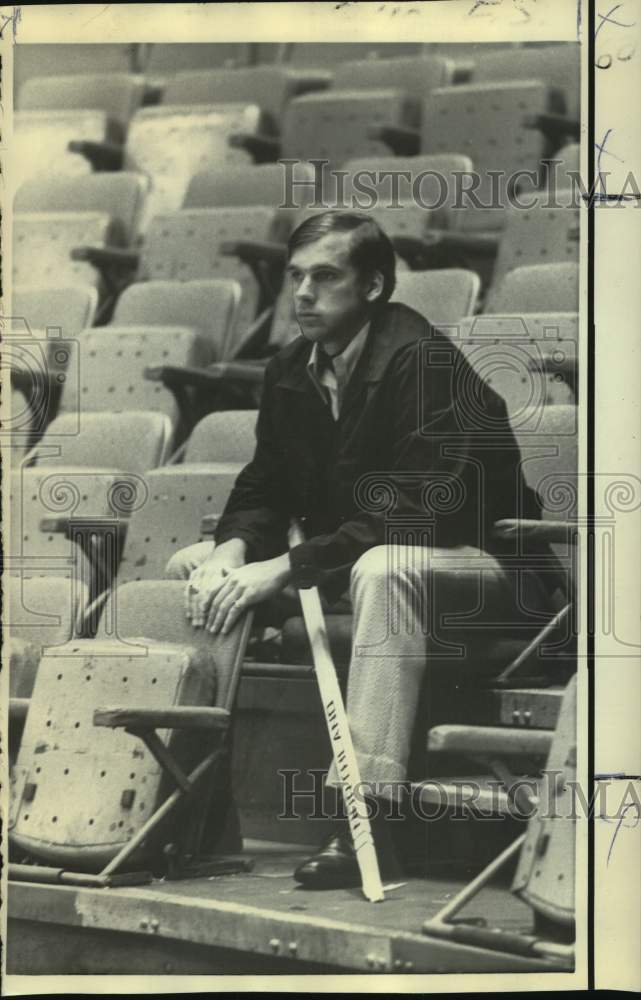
x=235 y=612
x=218 y=613
x=204 y=597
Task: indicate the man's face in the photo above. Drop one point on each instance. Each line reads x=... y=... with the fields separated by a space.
x=330 y=299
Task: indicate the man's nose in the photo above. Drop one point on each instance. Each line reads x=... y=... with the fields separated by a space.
x=305 y=290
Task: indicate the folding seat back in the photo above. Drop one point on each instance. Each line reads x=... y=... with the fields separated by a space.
x=268 y=184
x=40 y=613
x=207 y=307
x=548 y=441
x=89 y=467
x=111 y=365
x=177 y=499
x=188 y=245
x=132 y=441
x=117 y=94
x=485 y=122
x=43 y=241
x=537 y=288
x=41 y=140
x=335 y=125
x=441 y=296
x=70 y=309
x=170 y=144
x=433 y=182
x=121 y=195
x=558 y=65
x=156 y=610
x=538 y=235
x=80 y=793
x=416 y=75
x=526 y=358
x=269 y=86
x=226 y=436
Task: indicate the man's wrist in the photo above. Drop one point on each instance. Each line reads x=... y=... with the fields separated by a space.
x=234 y=550
x=282 y=568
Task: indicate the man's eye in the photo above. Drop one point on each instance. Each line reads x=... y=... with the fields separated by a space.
x=325 y=276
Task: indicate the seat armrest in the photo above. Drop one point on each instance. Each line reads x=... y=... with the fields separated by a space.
x=107 y=258
x=431 y=250
x=18 y=708
x=208 y=524
x=101 y=155
x=255 y=341
x=262 y=148
x=568 y=368
x=186 y=717
x=537 y=531
x=402 y=141
x=175 y=377
x=489 y=740
x=556 y=127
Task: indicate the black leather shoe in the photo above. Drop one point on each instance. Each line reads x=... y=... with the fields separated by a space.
x=333 y=867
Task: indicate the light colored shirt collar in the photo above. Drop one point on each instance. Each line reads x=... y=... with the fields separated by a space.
x=334 y=382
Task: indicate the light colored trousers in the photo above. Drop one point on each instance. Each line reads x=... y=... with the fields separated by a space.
x=396 y=592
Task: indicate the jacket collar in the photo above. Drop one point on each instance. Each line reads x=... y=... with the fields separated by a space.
x=393 y=328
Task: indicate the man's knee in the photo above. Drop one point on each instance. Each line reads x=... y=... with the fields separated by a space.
x=183 y=562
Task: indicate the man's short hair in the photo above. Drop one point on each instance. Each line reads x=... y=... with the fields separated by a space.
x=371 y=249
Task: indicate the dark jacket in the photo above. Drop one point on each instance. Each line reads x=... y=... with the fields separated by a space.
x=422 y=453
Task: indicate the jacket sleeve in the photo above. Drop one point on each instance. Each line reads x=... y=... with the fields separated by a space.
x=255 y=511
x=427 y=495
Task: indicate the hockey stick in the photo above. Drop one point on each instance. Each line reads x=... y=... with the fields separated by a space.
x=339 y=734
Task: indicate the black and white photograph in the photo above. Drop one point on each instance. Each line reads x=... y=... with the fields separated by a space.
x=297 y=402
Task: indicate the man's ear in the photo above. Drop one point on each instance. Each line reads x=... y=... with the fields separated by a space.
x=374 y=286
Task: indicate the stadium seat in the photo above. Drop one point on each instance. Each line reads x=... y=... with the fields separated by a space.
x=529 y=359
x=536 y=288
x=171 y=144
x=259 y=184
x=40 y=613
x=120 y=195
x=69 y=309
x=41 y=140
x=44 y=323
x=444 y=296
x=416 y=75
x=207 y=307
x=558 y=65
x=270 y=87
x=111 y=362
x=538 y=235
x=185 y=689
x=117 y=94
x=431 y=181
x=191 y=244
x=336 y=125
x=486 y=122
x=545 y=852
x=181 y=493
x=43 y=243
x=86 y=469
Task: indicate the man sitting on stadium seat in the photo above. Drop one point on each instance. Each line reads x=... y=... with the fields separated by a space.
x=353 y=396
